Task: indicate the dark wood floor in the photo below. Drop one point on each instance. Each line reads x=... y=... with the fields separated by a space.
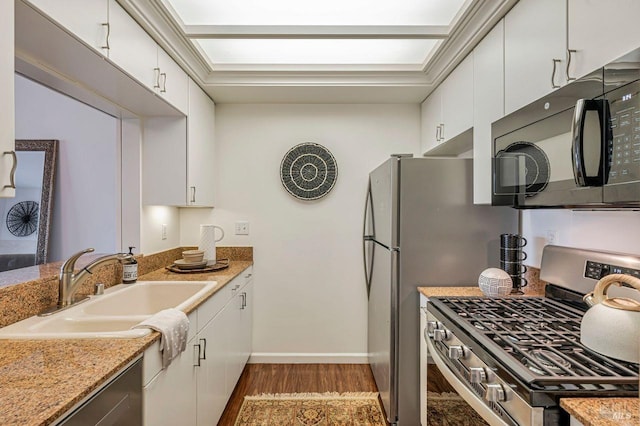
x=292 y=378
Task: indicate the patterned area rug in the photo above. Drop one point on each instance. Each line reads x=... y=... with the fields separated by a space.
x=449 y=409
x=311 y=409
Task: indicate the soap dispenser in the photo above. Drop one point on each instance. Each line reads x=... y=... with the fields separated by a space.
x=130 y=269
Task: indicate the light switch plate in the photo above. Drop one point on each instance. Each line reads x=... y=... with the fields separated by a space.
x=242 y=228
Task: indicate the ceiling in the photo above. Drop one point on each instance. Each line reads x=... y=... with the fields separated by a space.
x=330 y=51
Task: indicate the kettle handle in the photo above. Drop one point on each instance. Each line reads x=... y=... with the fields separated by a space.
x=599 y=293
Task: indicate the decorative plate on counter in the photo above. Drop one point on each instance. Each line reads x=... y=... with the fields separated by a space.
x=220 y=264
x=308 y=171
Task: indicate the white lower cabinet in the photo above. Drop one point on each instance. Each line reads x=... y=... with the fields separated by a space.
x=195 y=388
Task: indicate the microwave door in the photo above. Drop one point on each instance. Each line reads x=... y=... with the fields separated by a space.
x=623 y=180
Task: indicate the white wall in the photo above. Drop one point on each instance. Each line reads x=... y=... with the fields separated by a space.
x=153 y=217
x=86 y=206
x=310 y=298
x=599 y=230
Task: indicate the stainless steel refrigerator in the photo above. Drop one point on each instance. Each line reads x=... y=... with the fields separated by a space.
x=421 y=228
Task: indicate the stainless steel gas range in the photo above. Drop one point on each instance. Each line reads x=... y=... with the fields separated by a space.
x=512 y=359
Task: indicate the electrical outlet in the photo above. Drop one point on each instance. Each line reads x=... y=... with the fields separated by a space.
x=242 y=228
x=552 y=236
x=164 y=231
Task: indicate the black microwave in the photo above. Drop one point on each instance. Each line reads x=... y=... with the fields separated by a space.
x=576 y=147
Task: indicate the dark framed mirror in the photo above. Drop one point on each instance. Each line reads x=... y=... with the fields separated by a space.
x=24 y=229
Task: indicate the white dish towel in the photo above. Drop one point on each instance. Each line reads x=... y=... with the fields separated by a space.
x=173 y=324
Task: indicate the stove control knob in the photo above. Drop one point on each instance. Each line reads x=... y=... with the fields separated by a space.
x=440 y=335
x=457 y=352
x=431 y=327
x=494 y=393
x=477 y=375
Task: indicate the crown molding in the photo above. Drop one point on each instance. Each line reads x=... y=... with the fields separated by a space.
x=466 y=32
x=467 y=29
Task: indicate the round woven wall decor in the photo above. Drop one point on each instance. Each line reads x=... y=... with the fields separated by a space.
x=308 y=171
x=22 y=219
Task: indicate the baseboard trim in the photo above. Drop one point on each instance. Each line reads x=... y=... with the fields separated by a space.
x=308 y=358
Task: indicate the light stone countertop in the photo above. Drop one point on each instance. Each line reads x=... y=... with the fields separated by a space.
x=589 y=411
x=40 y=380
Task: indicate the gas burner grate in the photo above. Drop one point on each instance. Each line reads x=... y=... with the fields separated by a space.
x=541 y=337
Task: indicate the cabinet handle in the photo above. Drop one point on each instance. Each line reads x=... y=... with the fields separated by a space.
x=164 y=82
x=441 y=131
x=106 y=40
x=553 y=74
x=244 y=300
x=570 y=54
x=248 y=276
x=193 y=194
x=12 y=173
x=204 y=348
x=156 y=72
x=198 y=361
x=437 y=133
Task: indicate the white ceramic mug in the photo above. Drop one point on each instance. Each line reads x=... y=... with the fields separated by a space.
x=208 y=241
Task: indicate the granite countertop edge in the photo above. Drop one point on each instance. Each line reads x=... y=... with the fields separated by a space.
x=32 y=395
x=589 y=411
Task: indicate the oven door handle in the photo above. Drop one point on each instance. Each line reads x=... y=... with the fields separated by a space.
x=583 y=106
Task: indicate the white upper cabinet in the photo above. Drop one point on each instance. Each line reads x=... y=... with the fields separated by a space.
x=178 y=154
x=87 y=19
x=431 y=110
x=488 y=106
x=448 y=111
x=601 y=31
x=106 y=27
x=200 y=149
x=457 y=100
x=172 y=83
x=7 y=117
x=535 y=50
x=131 y=47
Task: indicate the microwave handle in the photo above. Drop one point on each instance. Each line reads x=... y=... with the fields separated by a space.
x=577 y=148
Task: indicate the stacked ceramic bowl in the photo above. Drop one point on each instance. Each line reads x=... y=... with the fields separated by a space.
x=191 y=259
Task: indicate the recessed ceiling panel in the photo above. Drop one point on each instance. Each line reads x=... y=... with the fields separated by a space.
x=316 y=12
x=316 y=51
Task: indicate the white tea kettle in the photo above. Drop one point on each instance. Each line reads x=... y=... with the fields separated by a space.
x=611 y=326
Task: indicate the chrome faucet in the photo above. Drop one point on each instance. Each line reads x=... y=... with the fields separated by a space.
x=70 y=282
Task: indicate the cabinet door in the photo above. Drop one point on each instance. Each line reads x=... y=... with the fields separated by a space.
x=131 y=48
x=7 y=121
x=164 y=161
x=170 y=398
x=201 y=126
x=212 y=395
x=534 y=36
x=235 y=341
x=488 y=106
x=457 y=100
x=86 y=19
x=173 y=82
x=246 y=326
x=431 y=121
x=601 y=31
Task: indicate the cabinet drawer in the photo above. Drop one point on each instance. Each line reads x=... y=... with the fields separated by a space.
x=211 y=307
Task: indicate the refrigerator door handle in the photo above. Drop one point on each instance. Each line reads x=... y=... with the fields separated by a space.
x=368 y=262
x=394 y=370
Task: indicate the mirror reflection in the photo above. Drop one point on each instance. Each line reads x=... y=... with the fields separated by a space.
x=24 y=234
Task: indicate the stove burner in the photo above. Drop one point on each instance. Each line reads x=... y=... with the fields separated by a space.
x=549 y=360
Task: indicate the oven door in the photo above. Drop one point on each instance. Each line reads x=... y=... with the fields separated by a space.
x=553 y=152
